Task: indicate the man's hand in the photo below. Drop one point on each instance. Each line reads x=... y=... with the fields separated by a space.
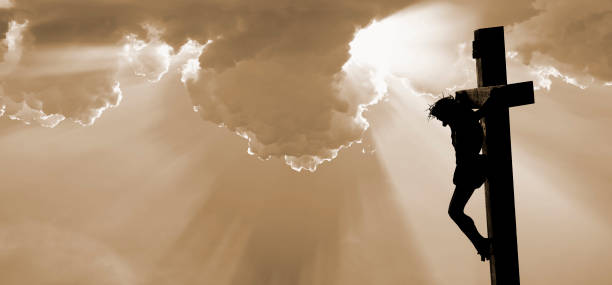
x=494 y=102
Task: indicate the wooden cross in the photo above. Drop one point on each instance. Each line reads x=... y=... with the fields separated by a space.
x=490 y=54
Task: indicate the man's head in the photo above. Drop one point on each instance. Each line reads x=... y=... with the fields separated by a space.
x=444 y=109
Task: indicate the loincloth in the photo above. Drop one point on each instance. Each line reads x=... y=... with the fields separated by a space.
x=470 y=173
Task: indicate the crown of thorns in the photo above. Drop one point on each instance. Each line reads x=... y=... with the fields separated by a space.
x=442 y=105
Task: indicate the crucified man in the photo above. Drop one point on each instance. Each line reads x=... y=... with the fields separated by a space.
x=470 y=173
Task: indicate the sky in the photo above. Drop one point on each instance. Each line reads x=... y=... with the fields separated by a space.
x=287 y=142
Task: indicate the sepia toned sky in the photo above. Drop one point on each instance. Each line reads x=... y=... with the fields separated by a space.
x=286 y=142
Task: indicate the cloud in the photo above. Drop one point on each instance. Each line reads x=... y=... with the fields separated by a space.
x=545 y=73
x=299 y=116
x=153 y=58
x=189 y=58
x=421 y=60
x=279 y=62
x=576 y=34
x=28 y=115
x=276 y=73
x=150 y=59
x=46 y=84
x=293 y=78
x=277 y=79
x=82 y=98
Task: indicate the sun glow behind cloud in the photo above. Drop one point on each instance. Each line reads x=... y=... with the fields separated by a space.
x=419 y=48
x=425 y=50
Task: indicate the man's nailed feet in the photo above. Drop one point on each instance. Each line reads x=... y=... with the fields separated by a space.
x=484 y=249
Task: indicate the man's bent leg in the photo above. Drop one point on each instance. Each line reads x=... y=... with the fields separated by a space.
x=456 y=211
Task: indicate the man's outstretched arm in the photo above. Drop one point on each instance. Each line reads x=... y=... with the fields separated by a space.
x=493 y=102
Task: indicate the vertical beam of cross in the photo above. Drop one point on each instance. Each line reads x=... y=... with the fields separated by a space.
x=490 y=55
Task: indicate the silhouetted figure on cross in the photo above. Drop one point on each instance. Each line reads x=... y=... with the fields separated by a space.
x=470 y=173
x=487 y=129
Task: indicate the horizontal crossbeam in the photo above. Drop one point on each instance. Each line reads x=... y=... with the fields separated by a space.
x=510 y=95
